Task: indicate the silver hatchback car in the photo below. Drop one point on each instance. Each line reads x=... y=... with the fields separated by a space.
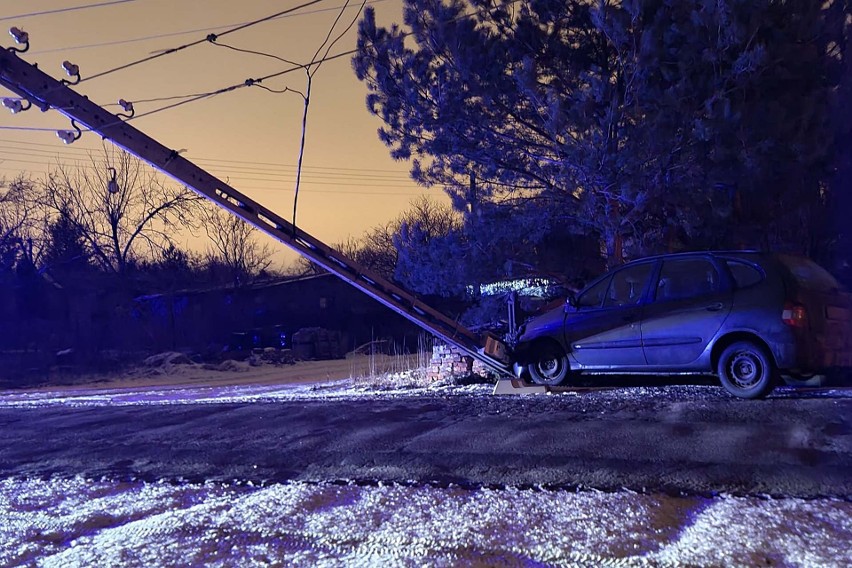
x=747 y=317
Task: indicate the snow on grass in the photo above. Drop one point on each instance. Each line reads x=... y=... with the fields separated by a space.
x=344 y=389
x=78 y=522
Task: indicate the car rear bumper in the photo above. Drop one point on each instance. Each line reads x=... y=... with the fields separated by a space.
x=834 y=359
x=818 y=353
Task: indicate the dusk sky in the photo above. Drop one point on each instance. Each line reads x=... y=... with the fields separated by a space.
x=249 y=137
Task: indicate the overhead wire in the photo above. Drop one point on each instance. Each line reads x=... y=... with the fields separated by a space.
x=247 y=83
x=200 y=41
x=69 y=9
x=190 y=98
x=257 y=82
x=12 y=154
x=340 y=35
x=392 y=191
x=28 y=128
x=400 y=191
x=158 y=99
x=219 y=161
x=280 y=91
x=237 y=178
x=252 y=82
x=244 y=176
x=179 y=33
x=253 y=52
x=310 y=72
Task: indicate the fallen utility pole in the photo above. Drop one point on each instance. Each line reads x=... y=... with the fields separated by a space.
x=45 y=92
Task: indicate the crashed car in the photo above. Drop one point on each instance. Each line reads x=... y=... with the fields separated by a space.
x=746 y=317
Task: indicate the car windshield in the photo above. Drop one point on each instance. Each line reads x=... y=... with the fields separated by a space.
x=808 y=274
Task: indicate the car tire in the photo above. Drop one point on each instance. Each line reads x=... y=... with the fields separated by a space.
x=746 y=370
x=549 y=365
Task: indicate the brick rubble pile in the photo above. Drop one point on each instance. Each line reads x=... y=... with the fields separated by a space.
x=449 y=363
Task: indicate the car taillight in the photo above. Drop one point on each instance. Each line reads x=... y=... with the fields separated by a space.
x=794 y=315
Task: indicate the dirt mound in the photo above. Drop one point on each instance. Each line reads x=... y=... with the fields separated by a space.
x=228 y=365
x=167 y=359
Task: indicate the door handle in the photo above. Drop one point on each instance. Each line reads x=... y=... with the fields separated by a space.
x=715 y=307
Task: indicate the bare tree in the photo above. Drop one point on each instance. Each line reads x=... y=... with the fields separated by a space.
x=19 y=220
x=377 y=248
x=122 y=208
x=234 y=244
x=351 y=247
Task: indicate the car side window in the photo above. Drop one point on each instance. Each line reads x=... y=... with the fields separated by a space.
x=593 y=297
x=685 y=278
x=628 y=285
x=745 y=275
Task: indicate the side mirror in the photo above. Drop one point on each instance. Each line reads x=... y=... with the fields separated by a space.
x=570 y=301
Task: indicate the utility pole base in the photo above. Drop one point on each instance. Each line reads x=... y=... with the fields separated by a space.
x=517 y=386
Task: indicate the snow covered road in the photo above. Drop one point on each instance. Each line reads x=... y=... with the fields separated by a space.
x=693 y=439
x=337 y=475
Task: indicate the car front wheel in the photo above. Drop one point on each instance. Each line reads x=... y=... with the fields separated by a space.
x=746 y=370
x=549 y=366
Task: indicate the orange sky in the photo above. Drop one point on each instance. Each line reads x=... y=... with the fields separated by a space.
x=249 y=137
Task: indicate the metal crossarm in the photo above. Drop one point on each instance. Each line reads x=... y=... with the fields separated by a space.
x=45 y=92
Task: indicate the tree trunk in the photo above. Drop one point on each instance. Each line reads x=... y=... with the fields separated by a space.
x=614 y=248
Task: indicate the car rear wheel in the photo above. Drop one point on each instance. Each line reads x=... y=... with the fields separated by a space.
x=746 y=370
x=549 y=366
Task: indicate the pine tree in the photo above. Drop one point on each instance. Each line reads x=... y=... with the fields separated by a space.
x=648 y=125
x=65 y=253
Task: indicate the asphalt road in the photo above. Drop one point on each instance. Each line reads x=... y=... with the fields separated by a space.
x=676 y=439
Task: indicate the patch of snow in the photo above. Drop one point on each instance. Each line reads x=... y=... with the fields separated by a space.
x=344 y=389
x=79 y=522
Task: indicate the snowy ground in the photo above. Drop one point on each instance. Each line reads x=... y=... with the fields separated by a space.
x=77 y=522
x=105 y=522
x=223 y=394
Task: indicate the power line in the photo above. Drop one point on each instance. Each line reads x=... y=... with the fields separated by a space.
x=190 y=98
x=75 y=148
x=306 y=167
x=180 y=33
x=71 y=9
x=12 y=154
x=353 y=181
x=401 y=193
x=278 y=173
x=392 y=190
x=255 y=81
x=161 y=99
x=234 y=171
x=253 y=52
x=200 y=41
x=339 y=36
x=247 y=83
x=28 y=128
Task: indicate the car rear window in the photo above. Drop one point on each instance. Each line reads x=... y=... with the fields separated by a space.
x=685 y=278
x=808 y=274
x=744 y=274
